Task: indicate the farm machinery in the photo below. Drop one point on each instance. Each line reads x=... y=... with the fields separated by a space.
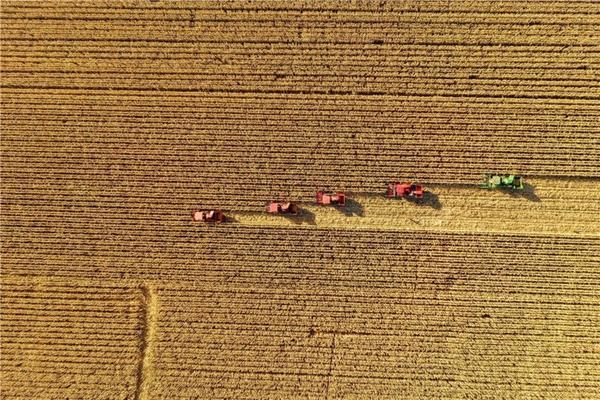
x=405 y=189
x=338 y=198
x=495 y=181
x=214 y=216
x=280 y=207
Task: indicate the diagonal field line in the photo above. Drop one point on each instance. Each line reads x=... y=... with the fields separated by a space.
x=330 y=371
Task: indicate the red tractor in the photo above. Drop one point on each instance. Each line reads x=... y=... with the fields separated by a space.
x=280 y=207
x=215 y=216
x=338 y=198
x=405 y=189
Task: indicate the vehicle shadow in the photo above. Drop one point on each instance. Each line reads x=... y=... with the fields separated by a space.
x=429 y=199
x=304 y=216
x=528 y=193
x=230 y=220
x=351 y=208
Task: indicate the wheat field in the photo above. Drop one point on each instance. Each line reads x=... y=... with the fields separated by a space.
x=120 y=117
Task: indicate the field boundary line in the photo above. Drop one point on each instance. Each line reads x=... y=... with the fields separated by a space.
x=330 y=370
x=149 y=308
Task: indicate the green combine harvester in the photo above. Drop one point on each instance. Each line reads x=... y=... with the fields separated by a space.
x=495 y=181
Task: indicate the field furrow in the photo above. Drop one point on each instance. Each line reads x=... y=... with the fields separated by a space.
x=120 y=118
x=75 y=357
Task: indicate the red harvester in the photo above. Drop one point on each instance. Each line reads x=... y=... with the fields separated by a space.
x=275 y=207
x=405 y=189
x=215 y=216
x=338 y=198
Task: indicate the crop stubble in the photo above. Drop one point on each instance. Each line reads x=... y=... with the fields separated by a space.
x=120 y=117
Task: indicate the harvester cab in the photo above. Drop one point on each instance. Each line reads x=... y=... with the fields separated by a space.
x=214 y=216
x=338 y=198
x=405 y=189
x=274 y=207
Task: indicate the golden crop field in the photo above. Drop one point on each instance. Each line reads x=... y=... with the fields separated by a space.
x=120 y=117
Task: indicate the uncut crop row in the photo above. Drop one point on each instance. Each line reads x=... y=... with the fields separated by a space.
x=114 y=249
x=237 y=156
x=228 y=107
x=254 y=310
x=251 y=339
x=345 y=314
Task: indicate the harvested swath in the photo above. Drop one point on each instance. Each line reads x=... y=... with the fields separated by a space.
x=562 y=206
x=70 y=338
